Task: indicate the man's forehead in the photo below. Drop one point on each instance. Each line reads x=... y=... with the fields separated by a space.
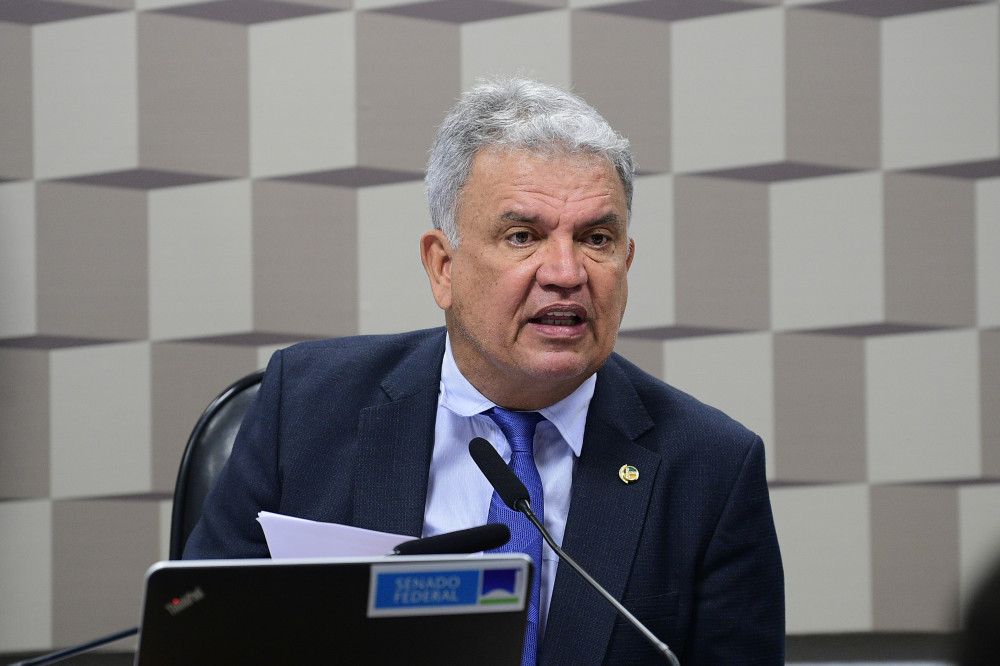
x=504 y=175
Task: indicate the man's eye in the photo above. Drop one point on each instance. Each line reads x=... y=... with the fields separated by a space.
x=597 y=240
x=519 y=237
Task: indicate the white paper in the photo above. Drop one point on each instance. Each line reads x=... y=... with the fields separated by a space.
x=289 y=537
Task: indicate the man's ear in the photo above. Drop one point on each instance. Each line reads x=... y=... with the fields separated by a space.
x=631 y=253
x=435 y=253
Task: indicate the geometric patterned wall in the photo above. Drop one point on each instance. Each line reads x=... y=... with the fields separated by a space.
x=187 y=186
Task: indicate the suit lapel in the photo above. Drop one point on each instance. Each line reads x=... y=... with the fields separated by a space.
x=605 y=520
x=395 y=440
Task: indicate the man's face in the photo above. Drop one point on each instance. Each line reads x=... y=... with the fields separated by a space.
x=536 y=290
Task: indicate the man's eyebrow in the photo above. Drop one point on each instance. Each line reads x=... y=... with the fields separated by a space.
x=512 y=216
x=611 y=219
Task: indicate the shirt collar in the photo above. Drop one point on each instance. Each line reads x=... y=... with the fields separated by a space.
x=569 y=415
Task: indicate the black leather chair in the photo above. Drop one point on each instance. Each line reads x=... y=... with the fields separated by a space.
x=208 y=449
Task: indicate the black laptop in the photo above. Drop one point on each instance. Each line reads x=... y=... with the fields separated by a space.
x=394 y=609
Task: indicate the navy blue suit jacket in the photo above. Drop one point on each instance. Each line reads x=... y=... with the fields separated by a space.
x=342 y=431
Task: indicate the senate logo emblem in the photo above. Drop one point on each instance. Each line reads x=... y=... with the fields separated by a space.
x=628 y=473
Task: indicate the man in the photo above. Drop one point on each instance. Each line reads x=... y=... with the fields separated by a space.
x=530 y=193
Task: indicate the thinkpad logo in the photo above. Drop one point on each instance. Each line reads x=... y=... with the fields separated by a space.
x=180 y=604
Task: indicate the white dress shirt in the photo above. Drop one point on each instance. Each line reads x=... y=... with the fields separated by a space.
x=458 y=495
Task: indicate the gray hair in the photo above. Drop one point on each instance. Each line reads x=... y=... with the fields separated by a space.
x=515 y=114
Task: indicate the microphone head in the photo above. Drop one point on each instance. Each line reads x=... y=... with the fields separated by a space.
x=510 y=488
x=472 y=540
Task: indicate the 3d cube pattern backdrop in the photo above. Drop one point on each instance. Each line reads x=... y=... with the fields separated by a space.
x=187 y=186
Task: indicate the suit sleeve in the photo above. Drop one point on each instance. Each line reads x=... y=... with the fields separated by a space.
x=248 y=483
x=740 y=602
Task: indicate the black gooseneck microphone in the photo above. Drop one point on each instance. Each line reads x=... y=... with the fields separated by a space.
x=513 y=493
x=472 y=540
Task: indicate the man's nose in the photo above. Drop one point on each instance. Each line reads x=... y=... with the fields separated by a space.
x=561 y=265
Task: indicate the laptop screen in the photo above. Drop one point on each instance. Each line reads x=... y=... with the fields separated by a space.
x=403 y=609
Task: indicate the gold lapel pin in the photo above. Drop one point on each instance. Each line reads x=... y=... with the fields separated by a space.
x=628 y=474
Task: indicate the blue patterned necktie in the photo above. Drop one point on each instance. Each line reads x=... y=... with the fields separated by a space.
x=519 y=429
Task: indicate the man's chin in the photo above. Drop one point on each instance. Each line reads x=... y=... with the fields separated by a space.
x=561 y=367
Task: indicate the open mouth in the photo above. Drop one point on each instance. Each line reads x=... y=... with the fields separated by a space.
x=557 y=317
